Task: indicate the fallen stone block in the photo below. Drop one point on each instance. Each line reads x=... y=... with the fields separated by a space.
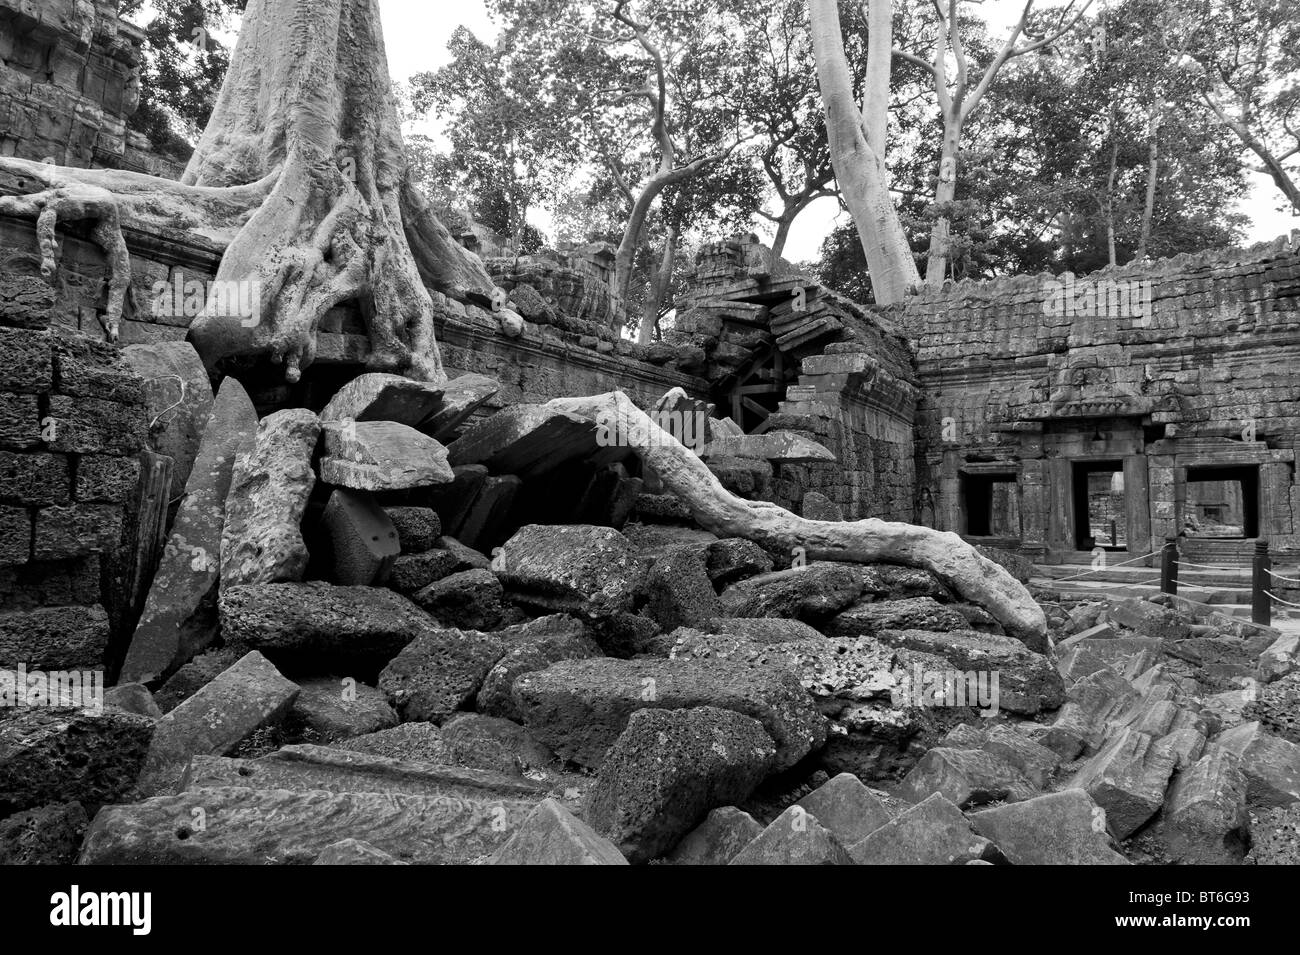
x=355 y=852
x=363 y=541
x=378 y=396
x=668 y=769
x=414 y=572
x=1127 y=656
x=733 y=559
x=911 y=613
x=846 y=807
x=382 y=456
x=132 y=698
x=764 y=630
x=965 y=778
x=1128 y=779
x=1205 y=820
x=1038 y=763
x=418 y=528
x=488 y=515
x=1271 y=765
x=312 y=625
x=679 y=592
x=418 y=742
x=178 y=400
x=243 y=699
x=1281 y=657
x=1091 y=703
x=781 y=447
x=333 y=709
x=551 y=835
x=179 y=619
x=500 y=745
x=261 y=542
x=794 y=838
x=717 y=840
x=526 y=440
x=580 y=707
x=50 y=755
x=577 y=569
x=461 y=397
x=534 y=646
x=280 y=827
x=812 y=594
x=933 y=832
x=439 y=673
x=306 y=768
x=50 y=835
x=1065 y=828
x=469 y=600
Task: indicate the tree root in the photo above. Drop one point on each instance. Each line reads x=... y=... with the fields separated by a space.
x=950 y=558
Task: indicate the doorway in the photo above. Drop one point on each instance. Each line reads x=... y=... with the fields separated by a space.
x=1100 y=515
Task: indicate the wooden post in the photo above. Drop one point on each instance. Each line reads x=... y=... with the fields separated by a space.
x=1261 y=604
x=1169 y=567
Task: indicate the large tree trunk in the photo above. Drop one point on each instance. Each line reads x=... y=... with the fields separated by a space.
x=860 y=168
x=658 y=290
x=936 y=265
x=305 y=137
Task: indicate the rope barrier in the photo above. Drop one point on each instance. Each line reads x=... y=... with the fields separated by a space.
x=1289 y=580
x=1237 y=569
x=1280 y=600
x=1102 y=570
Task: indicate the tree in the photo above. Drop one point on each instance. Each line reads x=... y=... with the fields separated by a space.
x=302 y=167
x=961 y=94
x=857 y=139
x=1249 y=73
x=183 y=67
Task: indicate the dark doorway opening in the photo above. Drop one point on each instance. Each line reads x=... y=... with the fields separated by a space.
x=991 y=505
x=1100 y=517
x=1222 y=502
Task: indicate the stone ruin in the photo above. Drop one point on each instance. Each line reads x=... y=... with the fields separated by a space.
x=353 y=615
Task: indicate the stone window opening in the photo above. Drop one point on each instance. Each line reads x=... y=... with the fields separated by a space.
x=990 y=505
x=1222 y=502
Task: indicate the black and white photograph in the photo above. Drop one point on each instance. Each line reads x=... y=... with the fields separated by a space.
x=650 y=432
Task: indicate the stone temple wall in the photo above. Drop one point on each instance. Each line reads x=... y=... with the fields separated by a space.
x=69 y=81
x=1171 y=372
x=72 y=431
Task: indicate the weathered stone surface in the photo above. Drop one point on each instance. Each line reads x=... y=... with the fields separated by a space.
x=912 y=613
x=81 y=425
x=50 y=755
x=132 y=698
x=102 y=478
x=679 y=592
x=794 y=838
x=717 y=840
x=318 y=624
x=580 y=707
x=378 y=396
x=333 y=709
x=194 y=676
x=551 y=835
x=1282 y=657
x=533 y=646
x=414 y=572
x=382 y=456
x=180 y=615
x=335 y=769
x=734 y=558
x=461 y=397
x=1128 y=656
x=1065 y=828
x=279 y=827
x=470 y=600
x=1271 y=765
x=895 y=582
x=846 y=807
x=965 y=778
x=933 y=832
x=485 y=517
x=439 y=673
x=26 y=302
x=1275 y=836
x=526 y=440
x=1205 y=820
x=1128 y=779
x=764 y=629
x=1038 y=763
x=249 y=695
x=1027 y=681
x=363 y=541
x=812 y=594
x=76 y=530
x=50 y=835
x=38 y=480
x=418 y=528
x=261 y=542
x=418 y=742
x=54 y=638
x=355 y=852
x=178 y=398
x=495 y=744
x=579 y=569
x=818 y=507
x=1080 y=726
x=467 y=558
x=668 y=768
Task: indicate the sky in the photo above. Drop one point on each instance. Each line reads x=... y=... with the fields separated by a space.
x=416 y=33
